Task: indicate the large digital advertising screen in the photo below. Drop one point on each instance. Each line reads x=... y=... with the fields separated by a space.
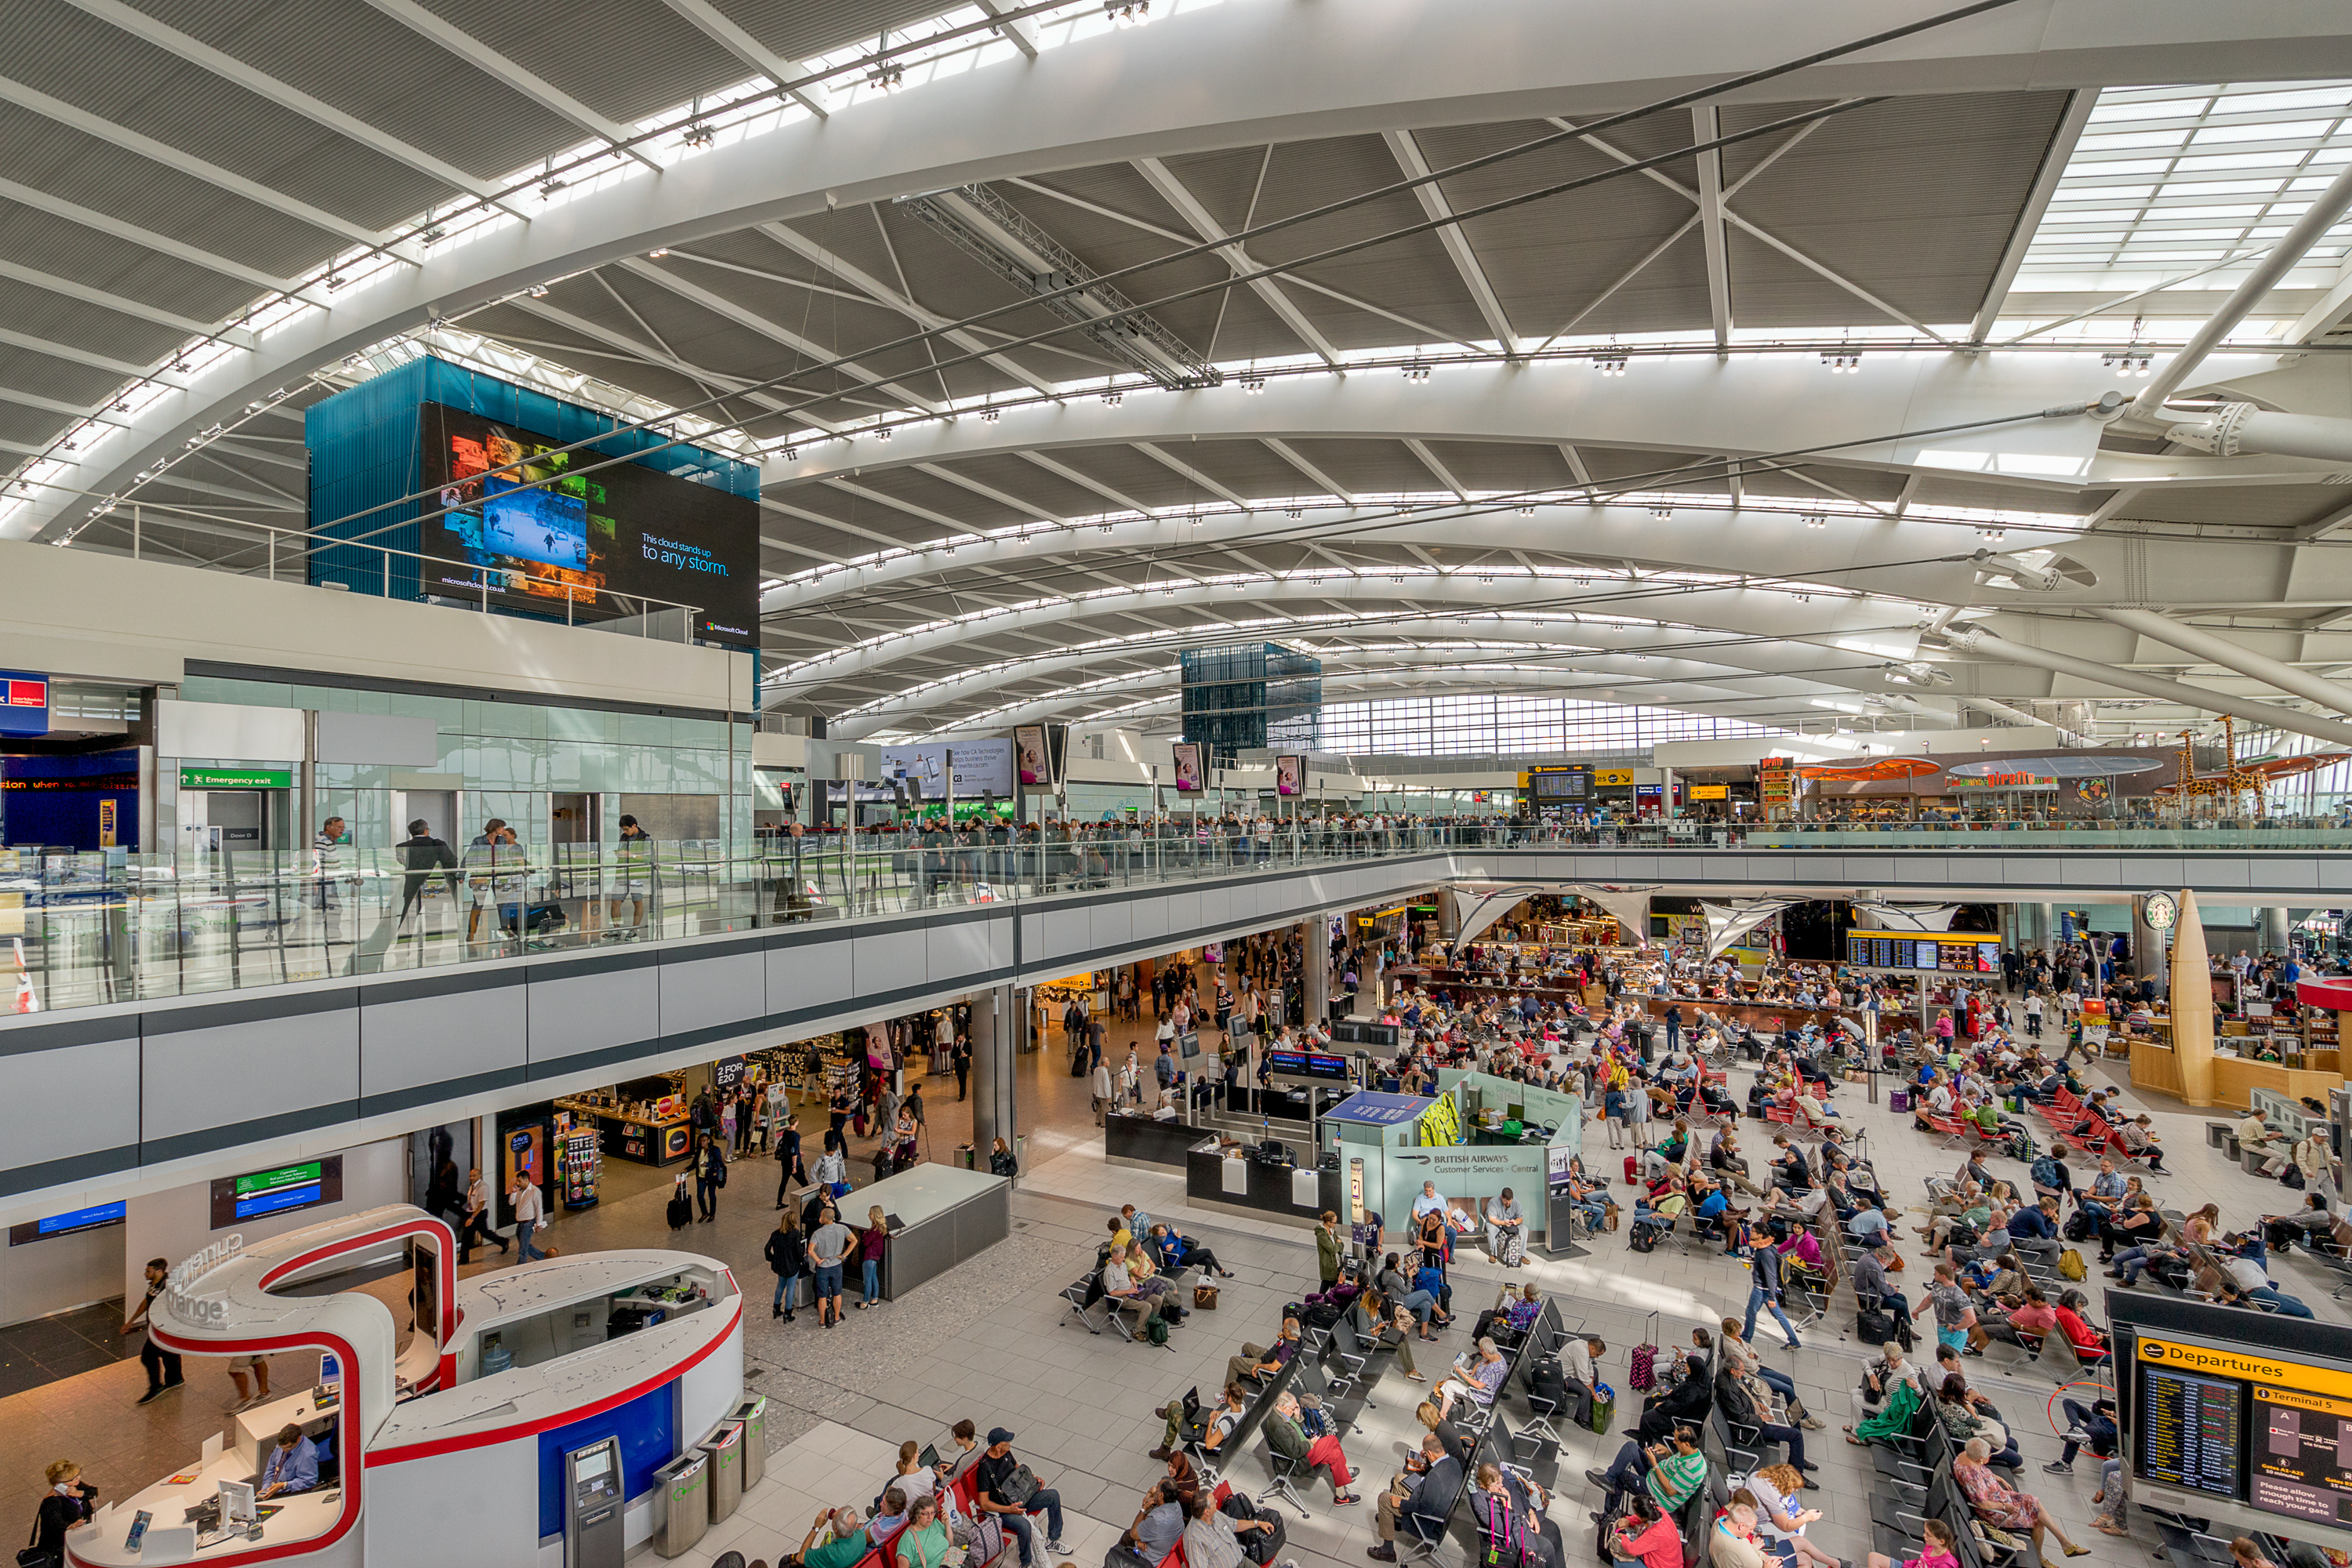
x=605 y=539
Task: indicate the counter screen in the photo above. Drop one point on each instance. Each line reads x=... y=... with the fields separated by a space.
x=2190 y=1430
x=2302 y=1445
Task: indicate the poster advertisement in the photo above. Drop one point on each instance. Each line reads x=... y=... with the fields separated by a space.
x=1188 y=766
x=983 y=770
x=606 y=540
x=1289 y=775
x=1029 y=745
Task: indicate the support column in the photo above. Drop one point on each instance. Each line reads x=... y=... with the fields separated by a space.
x=2192 y=1006
x=2148 y=942
x=2047 y=935
x=2270 y=928
x=1315 y=968
x=995 y=1043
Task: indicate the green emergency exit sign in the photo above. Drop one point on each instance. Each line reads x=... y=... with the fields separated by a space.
x=236 y=778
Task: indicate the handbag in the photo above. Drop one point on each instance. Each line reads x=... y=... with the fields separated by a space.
x=1205 y=1296
x=1020 y=1485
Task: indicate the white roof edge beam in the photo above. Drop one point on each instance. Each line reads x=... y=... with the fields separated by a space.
x=1433 y=204
x=1174 y=191
x=2234 y=656
x=1706 y=124
x=2054 y=159
x=720 y=30
x=435 y=28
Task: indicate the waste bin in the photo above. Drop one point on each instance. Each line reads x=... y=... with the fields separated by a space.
x=964 y=1154
x=681 y=1503
x=725 y=1448
x=753 y=1413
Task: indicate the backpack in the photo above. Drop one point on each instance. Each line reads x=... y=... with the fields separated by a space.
x=2080 y=1226
x=2069 y=1265
x=1155 y=1329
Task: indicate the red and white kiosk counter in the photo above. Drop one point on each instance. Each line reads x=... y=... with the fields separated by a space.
x=446 y=1443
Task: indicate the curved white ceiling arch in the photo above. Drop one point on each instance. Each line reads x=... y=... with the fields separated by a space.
x=1745 y=667
x=1878 y=629
x=1207 y=80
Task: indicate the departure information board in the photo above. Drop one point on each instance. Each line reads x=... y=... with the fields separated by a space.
x=1960 y=952
x=2190 y=1430
x=2303 y=1442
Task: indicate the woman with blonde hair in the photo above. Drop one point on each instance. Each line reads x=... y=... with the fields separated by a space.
x=1780 y=1521
x=873 y=1245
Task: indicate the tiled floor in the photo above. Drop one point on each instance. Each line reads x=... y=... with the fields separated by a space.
x=994 y=1340
x=62 y=1345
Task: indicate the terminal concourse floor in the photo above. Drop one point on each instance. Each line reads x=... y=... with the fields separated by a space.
x=990 y=1340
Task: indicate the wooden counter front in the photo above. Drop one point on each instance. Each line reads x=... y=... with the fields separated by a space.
x=2235 y=1078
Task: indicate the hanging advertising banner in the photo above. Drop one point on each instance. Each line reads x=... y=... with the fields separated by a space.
x=1029 y=752
x=23 y=703
x=1189 y=766
x=1289 y=775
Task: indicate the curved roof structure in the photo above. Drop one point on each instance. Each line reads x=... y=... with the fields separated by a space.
x=1718 y=366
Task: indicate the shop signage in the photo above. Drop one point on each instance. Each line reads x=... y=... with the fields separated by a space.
x=1612 y=778
x=236 y=778
x=23 y=703
x=2160 y=912
x=1710 y=791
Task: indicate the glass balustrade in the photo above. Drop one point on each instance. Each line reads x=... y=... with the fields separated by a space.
x=86 y=930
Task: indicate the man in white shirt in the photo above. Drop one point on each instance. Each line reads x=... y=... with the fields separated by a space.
x=1578 y=1358
x=1429 y=1202
x=477 y=1217
x=529 y=1208
x=1940 y=1099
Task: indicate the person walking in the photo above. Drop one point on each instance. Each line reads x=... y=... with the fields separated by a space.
x=421 y=855
x=787 y=1255
x=1101 y=1088
x=788 y=1154
x=529 y=1208
x=709 y=1176
x=477 y=1219
x=162 y=1366
x=1764 y=1265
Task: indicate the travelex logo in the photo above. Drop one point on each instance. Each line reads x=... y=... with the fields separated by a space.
x=2221 y=1362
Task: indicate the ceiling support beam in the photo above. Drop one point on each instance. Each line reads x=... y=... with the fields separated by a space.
x=2236 y=656
x=1429 y=460
x=2326 y=209
x=432 y=28
x=116 y=302
x=2328 y=312
x=2054 y=159
x=162 y=243
x=1706 y=124
x=882 y=294
x=172 y=157
x=2202 y=698
x=1433 y=204
x=228 y=68
x=723 y=32
x=1191 y=474
x=1174 y=191
x=1291 y=454
x=727 y=309
x=1020 y=32
x=67 y=352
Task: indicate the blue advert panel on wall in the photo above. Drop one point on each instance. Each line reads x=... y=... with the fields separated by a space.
x=85 y=800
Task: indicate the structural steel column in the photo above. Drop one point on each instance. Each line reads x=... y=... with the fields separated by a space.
x=1315 y=968
x=995 y=1048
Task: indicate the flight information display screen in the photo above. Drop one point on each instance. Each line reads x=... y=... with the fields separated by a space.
x=2190 y=1430
x=608 y=540
x=1949 y=951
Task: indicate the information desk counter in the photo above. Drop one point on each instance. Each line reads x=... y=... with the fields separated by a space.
x=945 y=1214
x=1293 y=1195
x=1144 y=1141
x=2155 y=1066
x=306 y=1516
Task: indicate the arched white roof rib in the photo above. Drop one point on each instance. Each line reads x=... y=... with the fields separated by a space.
x=1155 y=101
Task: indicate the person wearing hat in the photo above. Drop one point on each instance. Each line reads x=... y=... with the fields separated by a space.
x=993 y=1476
x=849 y=1544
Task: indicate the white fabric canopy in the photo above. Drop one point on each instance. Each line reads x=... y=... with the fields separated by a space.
x=1910 y=917
x=1727 y=923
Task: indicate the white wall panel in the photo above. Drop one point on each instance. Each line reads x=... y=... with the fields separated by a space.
x=409 y=1041
x=192 y=1081
x=76 y=1100
x=886 y=962
x=575 y=1010
x=959 y=948
x=805 y=973
x=701 y=993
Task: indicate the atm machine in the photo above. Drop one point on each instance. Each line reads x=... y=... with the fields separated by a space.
x=594 y=1502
